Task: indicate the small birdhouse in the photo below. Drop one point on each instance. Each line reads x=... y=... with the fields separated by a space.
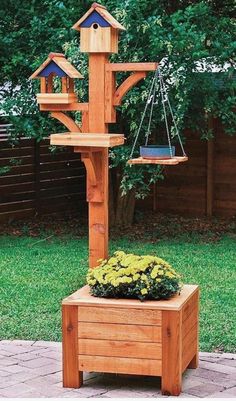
x=98 y=31
x=56 y=65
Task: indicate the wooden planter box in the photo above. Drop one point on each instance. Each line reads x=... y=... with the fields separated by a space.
x=156 y=338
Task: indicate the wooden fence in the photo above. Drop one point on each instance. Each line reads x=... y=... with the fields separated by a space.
x=40 y=182
x=206 y=184
x=37 y=181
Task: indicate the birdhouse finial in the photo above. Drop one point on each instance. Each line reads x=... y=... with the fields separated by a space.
x=95 y=5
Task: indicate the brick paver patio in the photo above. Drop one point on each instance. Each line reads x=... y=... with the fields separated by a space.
x=33 y=369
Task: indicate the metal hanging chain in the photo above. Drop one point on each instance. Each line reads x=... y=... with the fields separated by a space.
x=151 y=111
x=151 y=100
x=144 y=113
x=163 y=98
x=172 y=115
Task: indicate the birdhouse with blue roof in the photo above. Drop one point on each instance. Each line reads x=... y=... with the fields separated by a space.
x=58 y=66
x=99 y=31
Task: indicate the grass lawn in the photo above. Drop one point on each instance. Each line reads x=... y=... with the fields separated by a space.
x=36 y=275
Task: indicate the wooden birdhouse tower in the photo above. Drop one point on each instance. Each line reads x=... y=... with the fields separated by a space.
x=56 y=65
x=98 y=31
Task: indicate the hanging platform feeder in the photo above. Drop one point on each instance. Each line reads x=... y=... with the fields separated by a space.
x=158 y=154
x=168 y=162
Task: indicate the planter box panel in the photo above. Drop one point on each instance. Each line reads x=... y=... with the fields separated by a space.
x=114 y=315
x=189 y=351
x=189 y=322
x=190 y=333
x=127 y=336
x=120 y=348
x=188 y=340
x=120 y=365
x=125 y=332
x=189 y=306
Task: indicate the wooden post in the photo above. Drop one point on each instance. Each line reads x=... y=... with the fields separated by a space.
x=64 y=85
x=98 y=211
x=71 y=376
x=172 y=352
x=43 y=85
x=194 y=363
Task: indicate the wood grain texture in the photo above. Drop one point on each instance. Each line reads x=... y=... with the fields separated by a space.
x=190 y=357
x=56 y=98
x=110 y=87
x=64 y=88
x=120 y=365
x=190 y=333
x=131 y=349
x=124 y=332
x=71 y=376
x=190 y=321
x=190 y=305
x=98 y=212
x=114 y=315
x=101 y=40
x=87 y=159
x=64 y=107
x=43 y=85
x=87 y=139
x=131 y=66
x=167 y=162
x=171 y=353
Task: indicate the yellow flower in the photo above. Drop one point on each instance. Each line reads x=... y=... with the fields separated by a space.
x=144 y=291
x=112 y=261
x=154 y=272
x=143 y=277
x=169 y=274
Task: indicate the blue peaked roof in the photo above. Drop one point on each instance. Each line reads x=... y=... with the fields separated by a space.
x=94 y=17
x=52 y=68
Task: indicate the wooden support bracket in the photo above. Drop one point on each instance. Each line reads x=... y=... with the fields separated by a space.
x=129 y=82
x=66 y=120
x=87 y=159
x=93 y=163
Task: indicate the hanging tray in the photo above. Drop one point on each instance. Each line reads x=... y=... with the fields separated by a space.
x=168 y=162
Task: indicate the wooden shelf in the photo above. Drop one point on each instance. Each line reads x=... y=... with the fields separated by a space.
x=87 y=139
x=168 y=162
x=56 y=98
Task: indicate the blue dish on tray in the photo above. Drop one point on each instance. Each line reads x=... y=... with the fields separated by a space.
x=156 y=152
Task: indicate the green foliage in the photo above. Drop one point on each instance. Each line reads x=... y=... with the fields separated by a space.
x=180 y=34
x=132 y=276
